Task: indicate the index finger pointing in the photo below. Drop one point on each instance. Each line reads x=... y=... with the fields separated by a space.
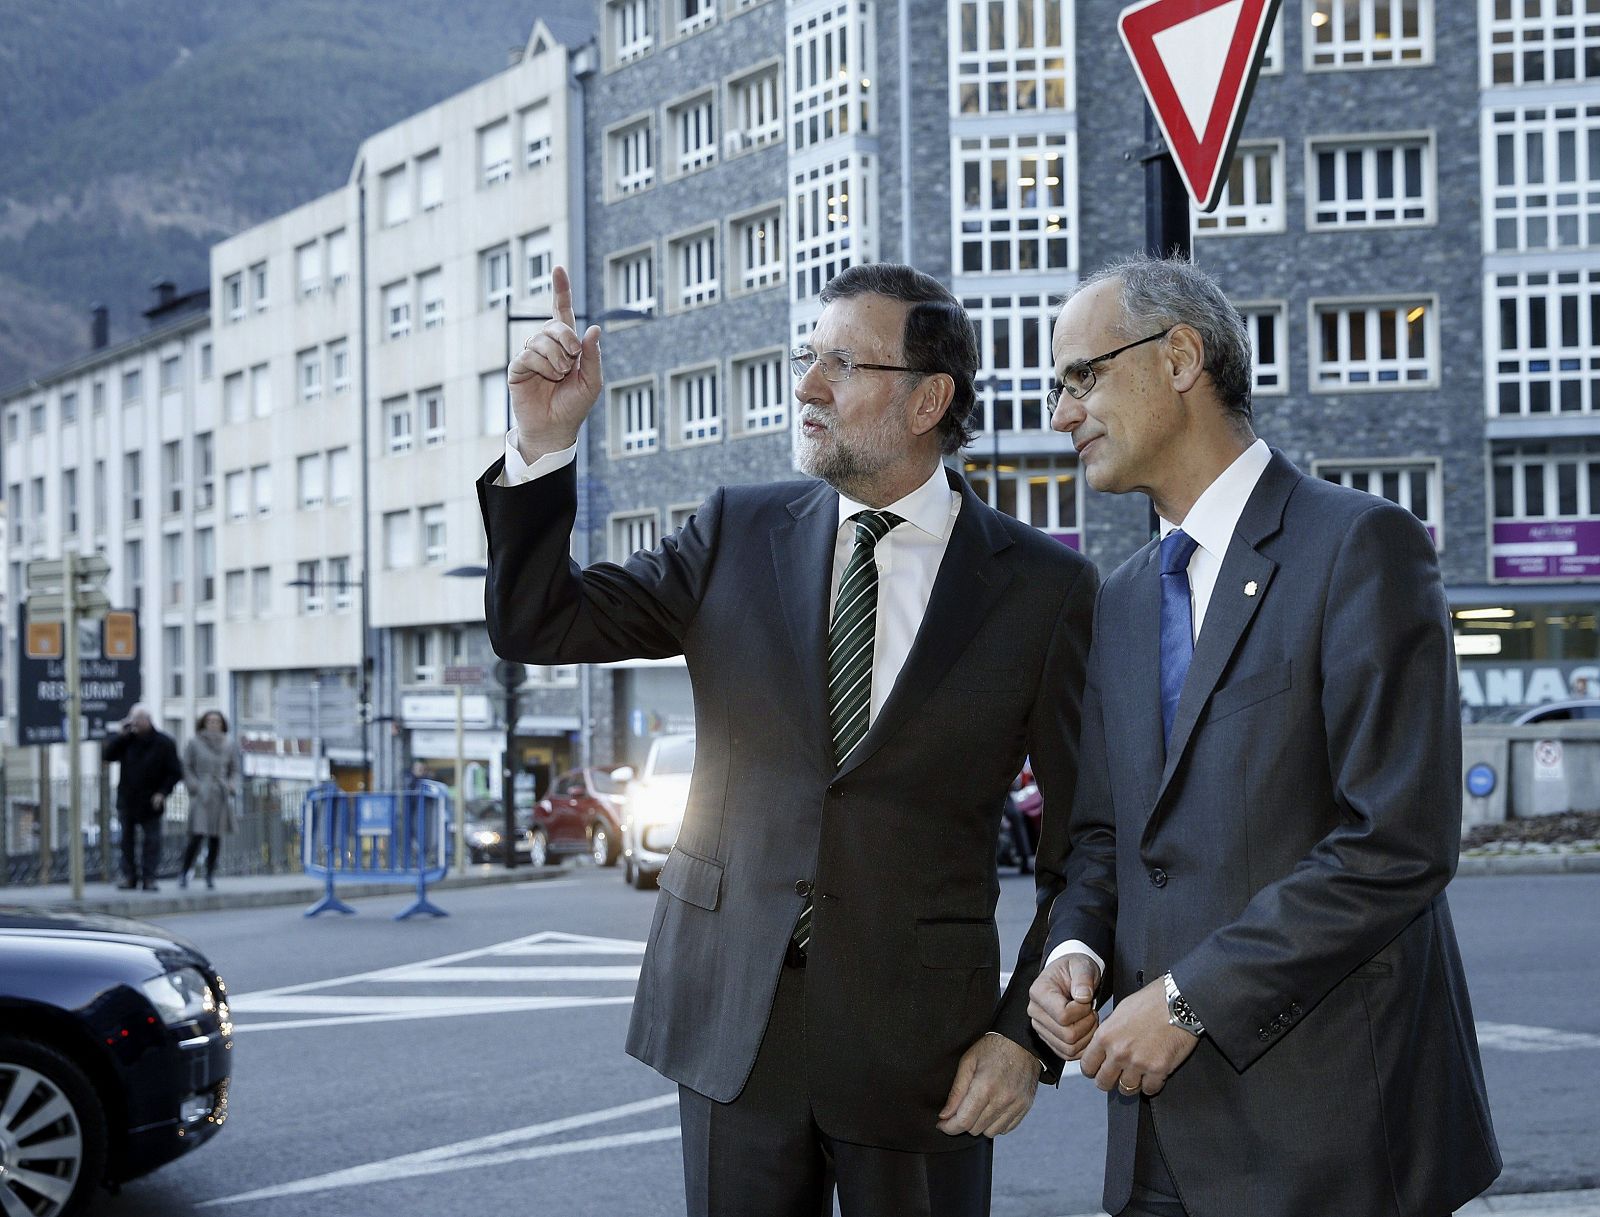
x=563 y=293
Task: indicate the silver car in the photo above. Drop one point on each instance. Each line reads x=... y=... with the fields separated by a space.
x=656 y=802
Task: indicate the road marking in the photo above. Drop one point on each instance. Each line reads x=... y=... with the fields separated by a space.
x=512 y=975
x=476 y=1153
x=1511 y=1037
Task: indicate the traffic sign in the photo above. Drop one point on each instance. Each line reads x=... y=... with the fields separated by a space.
x=464 y=674
x=52 y=606
x=43 y=640
x=1197 y=62
x=52 y=572
x=108 y=685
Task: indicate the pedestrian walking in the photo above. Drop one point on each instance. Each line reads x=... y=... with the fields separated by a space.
x=149 y=771
x=211 y=771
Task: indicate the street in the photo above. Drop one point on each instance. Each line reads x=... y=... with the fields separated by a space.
x=474 y=1064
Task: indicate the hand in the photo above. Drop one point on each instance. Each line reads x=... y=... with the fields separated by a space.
x=1061 y=1005
x=554 y=379
x=993 y=1090
x=1136 y=1048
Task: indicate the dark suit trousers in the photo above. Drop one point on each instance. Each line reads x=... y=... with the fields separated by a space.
x=763 y=1155
x=1154 y=1192
x=142 y=861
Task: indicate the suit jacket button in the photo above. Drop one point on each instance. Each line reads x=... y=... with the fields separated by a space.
x=1263 y=1034
x=1158 y=877
x=803 y=888
x=1138 y=977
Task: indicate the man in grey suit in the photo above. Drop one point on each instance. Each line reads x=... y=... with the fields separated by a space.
x=1269 y=808
x=873 y=652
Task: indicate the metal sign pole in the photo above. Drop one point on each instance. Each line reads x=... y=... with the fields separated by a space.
x=74 y=727
x=1166 y=202
x=461 y=784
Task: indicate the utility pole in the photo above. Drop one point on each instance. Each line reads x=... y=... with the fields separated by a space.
x=510 y=674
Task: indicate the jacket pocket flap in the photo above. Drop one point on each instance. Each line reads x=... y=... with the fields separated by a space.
x=1247 y=692
x=693 y=879
x=958 y=944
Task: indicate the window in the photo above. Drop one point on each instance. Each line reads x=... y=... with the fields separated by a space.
x=261 y=489
x=394 y=199
x=1546 y=164
x=339 y=475
x=397 y=424
x=339 y=364
x=1013 y=333
x=171 y=373
x=538 y=261
x=15 y=513
x=754 y=114
x=1389 y=344
x=630 y=28
x=308 y=585
x=631 y=152
x=694 y=400
x=397 y=309
x=1555 y=481
x=1252 y=200
x=132 y=386
x=1012 y=210
x=1268 y=343
x=1011 y=56
x=36 y=418
x=694 y=265
x=1371 y=183
x=828 y=97
x=261 y=591
x=205 y=361
x=433 y=535
x=758 y=248
x=338 y=257
x=69 y=502
x=308 y=480
x=69 y=407
x=172 y=569
x=205 y=565
x=205 y=659
x=823 y=202
x=234 y=602
x=1546 y=335
x=172 y=477
x=97 y=398
x=233 y=296
x=310 y=374
x=632 y=532
x=133 y=563
x=101 y=508
x=399 y=545
x=494 y=402
x=494 y=151
x=538 y=135
x=1415 y=485
x=430 y=290
x=1539 y=43
x=1368 y=33
x=494 y=274
x=762 y=386
x=430 y=181
x=308 y=268
x=260 y=391
x=677 y=517
x=236 y=495
x=692 y=15
x=258 y=287
x=694 y=134
x=233 y=402
x=339 y=584
x=633 y=412
x=172 y=652
x=13 y=426
x=205 y=472
x=430 y=409
x=633 y=281
x=1043 y=491
x=36 y=504
x=132 y=488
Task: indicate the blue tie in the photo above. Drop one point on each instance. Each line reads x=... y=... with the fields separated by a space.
x=1177 y=622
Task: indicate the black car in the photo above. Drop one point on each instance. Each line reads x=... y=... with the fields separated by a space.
x=115 y=1055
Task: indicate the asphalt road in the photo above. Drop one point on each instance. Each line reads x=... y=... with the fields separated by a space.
x=474 y=1065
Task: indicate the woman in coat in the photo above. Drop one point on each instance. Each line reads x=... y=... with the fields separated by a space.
x=211 y=775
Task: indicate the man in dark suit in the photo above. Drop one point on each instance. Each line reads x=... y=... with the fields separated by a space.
x=873 y=652
x=150 y=771
x=1269 y=808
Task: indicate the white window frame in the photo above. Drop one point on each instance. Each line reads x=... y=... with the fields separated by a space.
x=635 y=417
x=309 y=583
x=261 y=489
x=1240 y=210
x=1529 y=212
x=259 y=296
x=830 y=54
x=831 y=224
x=339 y=583
x=1036 y=78
x=536 y=124
x=492 y=292
x=630 y=32
x=693 y=261
x=1546 y=460
x=432 y=528
x=430 y=181
x=756 y=250
x=630 y=156
x=697 y=406
x=1362 y=474
x=310 y=480
x=494 y=161
x=339 y=358
x=692 y=16
x=538 y=265
x=338 y=242
x=1270 y=379
x=430 y=296
x=1013 y=332
x=1370 y=309
x=236 y=595
x=394 y=197
x=753 y=108
x=236 y=494
x=1509 y=45
x=1562 y=307
x=1372 y=210
x=341 y=476
x=1039 y=225
x=233 y=295
x=1367 y=50
x=260 y=391
x=396 y=298
x=399 y=539
x=760 y=385
x=309 y=365
x=430 y=416
x=1011 y=491
x=628 y=274
x=261 y=592
x=629 y=532
x=692 y=128
x=399 y=434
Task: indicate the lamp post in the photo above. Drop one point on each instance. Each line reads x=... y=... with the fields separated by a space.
x=364 y=692
x=992 y=384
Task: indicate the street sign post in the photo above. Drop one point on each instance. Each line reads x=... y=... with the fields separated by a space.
x=1197 y=62
x=462 y=675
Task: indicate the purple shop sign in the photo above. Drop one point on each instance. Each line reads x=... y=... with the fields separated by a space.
x=1551 y=549
x=1072 y=539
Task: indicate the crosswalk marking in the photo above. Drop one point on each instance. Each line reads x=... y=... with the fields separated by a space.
x=1512 y=1037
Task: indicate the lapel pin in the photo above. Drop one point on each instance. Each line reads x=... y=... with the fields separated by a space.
x=1251 y=588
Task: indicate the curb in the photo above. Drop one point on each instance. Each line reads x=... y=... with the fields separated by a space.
x=1524 y=1204
x=1529 y=864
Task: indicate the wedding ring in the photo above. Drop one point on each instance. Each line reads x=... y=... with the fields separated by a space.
x=1127 y=1089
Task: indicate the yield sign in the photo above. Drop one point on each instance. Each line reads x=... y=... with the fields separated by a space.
x=1197 y=61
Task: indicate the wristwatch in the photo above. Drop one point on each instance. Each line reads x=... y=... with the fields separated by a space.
x=1179 y=1012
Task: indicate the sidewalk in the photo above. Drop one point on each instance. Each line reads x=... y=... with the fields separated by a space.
x=245 y=892
x=1529 y=1204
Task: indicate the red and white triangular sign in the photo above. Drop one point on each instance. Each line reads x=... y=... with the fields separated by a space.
x=1197 y=61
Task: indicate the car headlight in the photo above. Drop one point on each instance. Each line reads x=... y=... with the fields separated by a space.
x=658 y=808
x=181 y=996
x=485 y=836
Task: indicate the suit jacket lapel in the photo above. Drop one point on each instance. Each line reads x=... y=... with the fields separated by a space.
x=1232 y=607
x=971 y=579
x=1136 y=629
x=802 y=559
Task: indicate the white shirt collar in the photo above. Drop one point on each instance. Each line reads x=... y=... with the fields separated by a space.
x=1216 y=512
x=928 y=507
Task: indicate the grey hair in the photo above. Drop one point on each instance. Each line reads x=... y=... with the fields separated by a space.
x=1159 y=293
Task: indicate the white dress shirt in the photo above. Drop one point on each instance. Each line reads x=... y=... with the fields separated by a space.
x=1211 y=523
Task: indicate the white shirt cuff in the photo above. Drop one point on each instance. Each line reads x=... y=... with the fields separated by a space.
x=1073 y=947
x=518 y=471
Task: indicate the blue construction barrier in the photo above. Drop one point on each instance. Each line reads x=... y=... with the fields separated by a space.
x=377 y=837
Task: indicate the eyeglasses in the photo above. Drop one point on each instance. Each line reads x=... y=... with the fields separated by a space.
x=1078 y=378
x=838 y=366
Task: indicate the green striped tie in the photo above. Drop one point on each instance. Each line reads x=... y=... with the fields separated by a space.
x=851 y=637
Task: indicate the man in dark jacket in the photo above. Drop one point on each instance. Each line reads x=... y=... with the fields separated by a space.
x=150 y=770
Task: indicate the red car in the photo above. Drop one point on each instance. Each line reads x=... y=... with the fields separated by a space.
x=582 y=814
